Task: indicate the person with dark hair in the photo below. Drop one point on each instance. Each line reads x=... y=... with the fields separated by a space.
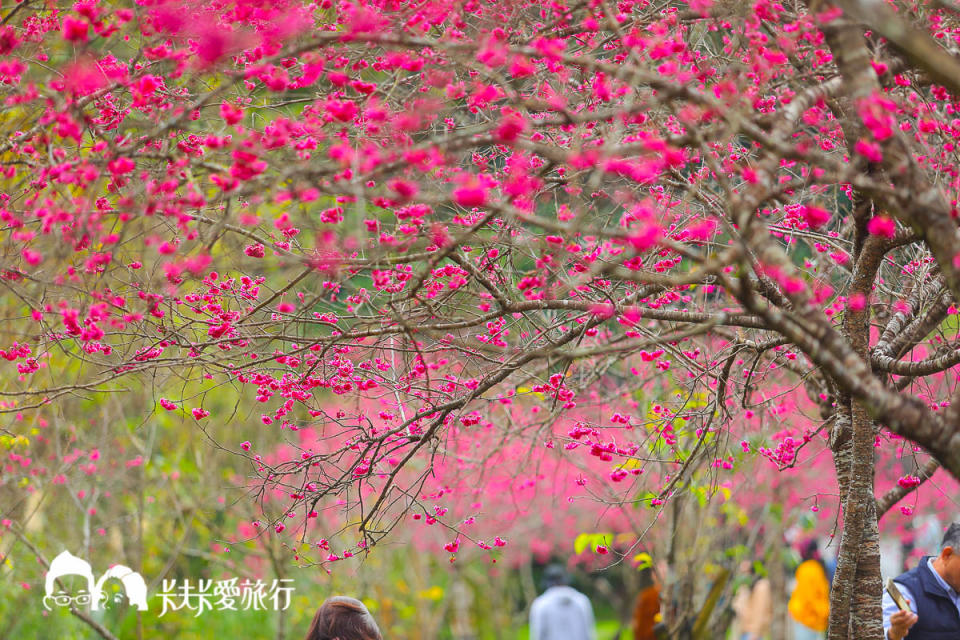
x=561 y=612
x=931 y=589
x=343 y=618
x=809 y=604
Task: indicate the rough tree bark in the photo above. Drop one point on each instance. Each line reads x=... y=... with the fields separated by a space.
x=855 y=611
x=855 y=597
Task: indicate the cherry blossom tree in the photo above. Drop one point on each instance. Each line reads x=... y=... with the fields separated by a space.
x=649 y=238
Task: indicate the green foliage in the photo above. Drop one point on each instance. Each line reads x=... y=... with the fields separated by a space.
x=591 y=541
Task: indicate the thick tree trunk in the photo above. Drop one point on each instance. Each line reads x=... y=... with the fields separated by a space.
x=866 y=616
x=855 y=598
x=844 y=578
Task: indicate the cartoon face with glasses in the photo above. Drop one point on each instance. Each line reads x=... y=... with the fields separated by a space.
x=67 y=564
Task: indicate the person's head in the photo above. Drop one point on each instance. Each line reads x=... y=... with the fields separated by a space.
x=554 y=576
x=947 y=563
x=810 y=550
x=343 y=618
x=646 y=578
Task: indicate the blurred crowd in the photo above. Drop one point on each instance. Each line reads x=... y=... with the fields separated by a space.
x=921 y=600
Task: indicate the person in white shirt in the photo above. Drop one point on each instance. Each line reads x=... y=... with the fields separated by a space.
x=561 y=612
x=932 y=592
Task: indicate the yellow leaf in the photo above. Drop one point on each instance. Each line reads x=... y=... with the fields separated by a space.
x=433 y=593
x=643 y=560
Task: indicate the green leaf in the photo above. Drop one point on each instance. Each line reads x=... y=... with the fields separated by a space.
x=590 y=540
x=581 y=542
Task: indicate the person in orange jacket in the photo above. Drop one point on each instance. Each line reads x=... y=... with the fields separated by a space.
x=810 y=602
x=646 y=610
